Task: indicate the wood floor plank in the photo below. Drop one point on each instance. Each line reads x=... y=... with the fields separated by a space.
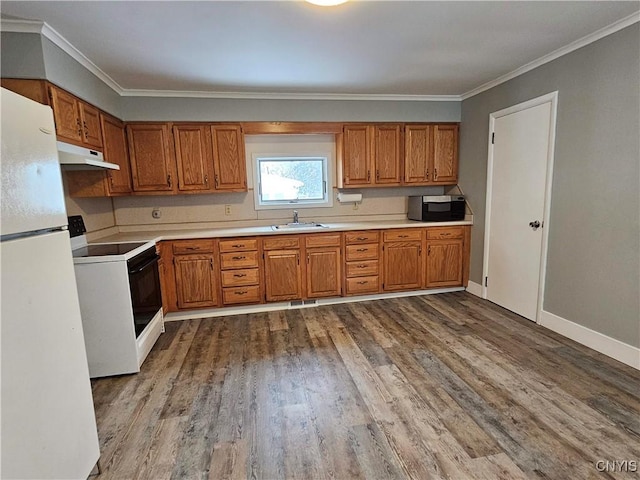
x=431 y=387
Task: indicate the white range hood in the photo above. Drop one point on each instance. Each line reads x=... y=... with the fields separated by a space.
x=72 y=157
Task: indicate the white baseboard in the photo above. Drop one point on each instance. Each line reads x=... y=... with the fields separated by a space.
x=608 y=346
x=474 y=289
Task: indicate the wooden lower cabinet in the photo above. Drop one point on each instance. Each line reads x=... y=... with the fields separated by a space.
x=447 y=256
x=444 y=263
x=204 y=273
x=283 y=275
x=240 y=271
x=196 y=284
x=323 y=272
x=403 y=261
x=362 y=262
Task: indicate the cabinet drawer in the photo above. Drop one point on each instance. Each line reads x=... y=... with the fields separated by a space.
x=182 y=247
x=403 y=235
x=281 y=243
x=238 y=245
x=236 y=278
x=361 y=252
x=234 y=261
x=361 y=285
x=362 y=269
x=444 y=233
x=365 y=236
x=322 y=240
x=233 y=295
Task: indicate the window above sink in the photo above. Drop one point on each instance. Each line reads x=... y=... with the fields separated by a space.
x=292 y=171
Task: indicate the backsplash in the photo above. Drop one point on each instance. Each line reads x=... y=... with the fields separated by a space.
x=96 y=212
x=208 y=211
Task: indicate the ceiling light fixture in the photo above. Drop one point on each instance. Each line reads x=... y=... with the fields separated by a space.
x=327 y=3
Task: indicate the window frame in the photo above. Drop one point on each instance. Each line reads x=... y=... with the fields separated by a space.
x=327 y=167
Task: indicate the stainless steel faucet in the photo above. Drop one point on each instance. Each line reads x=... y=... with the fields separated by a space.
x=295 y=216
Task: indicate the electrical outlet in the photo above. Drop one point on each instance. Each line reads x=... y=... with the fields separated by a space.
x=156 y=213
x=227 y=209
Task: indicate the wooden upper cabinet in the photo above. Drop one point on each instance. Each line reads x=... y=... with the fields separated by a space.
x=115 y=151
x=371 y=155
x=418 y=153
x=194 y=157
x=431 y=155
x=229 y=158
x=356 y=167
x=36 y=90
x=77 y=122
x=152 y=162
x=66 y=113
x=91 y=131
x=445 y=157
x=387 y=154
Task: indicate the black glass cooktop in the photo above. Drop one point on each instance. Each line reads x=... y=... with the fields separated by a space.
x=101 y=250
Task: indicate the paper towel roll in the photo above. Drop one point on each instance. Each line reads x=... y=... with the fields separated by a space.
x=349 y=197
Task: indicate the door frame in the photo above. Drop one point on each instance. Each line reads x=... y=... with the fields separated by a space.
x=548 y=98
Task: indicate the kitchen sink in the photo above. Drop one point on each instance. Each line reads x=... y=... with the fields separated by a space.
x=298 y=225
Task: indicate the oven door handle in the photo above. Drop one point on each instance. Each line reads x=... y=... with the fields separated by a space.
x=145 y=265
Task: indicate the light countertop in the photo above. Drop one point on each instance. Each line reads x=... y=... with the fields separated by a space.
x=158 y=235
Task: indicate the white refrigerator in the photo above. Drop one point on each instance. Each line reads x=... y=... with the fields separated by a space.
x=47 y=420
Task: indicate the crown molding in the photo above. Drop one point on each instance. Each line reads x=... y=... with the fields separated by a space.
x=586 y=40
x=288 y=96
x=43 y=28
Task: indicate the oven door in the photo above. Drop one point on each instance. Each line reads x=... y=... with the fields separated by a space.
x=144 y=282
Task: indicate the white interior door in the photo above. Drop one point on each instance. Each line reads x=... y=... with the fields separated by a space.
x=518 y=185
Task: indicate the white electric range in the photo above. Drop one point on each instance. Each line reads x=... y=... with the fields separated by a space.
x=120 y=302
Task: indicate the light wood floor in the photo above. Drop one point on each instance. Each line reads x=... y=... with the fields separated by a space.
x=439 y=386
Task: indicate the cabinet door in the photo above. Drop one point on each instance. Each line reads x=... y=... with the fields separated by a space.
x=194 y=157
x=445 y=155
x=387 y=154
x=195 y=281
x=91 y=131
x=66 y=112
x=115 y=151
x=356 y=166
x=151 y=160
x=418 y=151
x=444 y=263
x=228 y=158
x=283 y=276
x=323 y=272
x=403 y=266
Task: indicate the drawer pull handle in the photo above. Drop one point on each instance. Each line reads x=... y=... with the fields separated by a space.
x=238 y=258
x=445 y=234
x=242 y=292
x=192 y=248
x=238 y=245
x=361 y=266
x=239 y=275
x=403 y=236
x=362 y=249
x=363 y=282
x=362 y=239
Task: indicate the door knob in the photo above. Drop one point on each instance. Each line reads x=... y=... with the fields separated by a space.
x=535 y=224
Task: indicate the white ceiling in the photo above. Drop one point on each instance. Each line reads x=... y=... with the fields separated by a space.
x=412 y=48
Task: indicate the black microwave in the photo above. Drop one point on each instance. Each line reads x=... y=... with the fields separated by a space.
x=440 y=208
